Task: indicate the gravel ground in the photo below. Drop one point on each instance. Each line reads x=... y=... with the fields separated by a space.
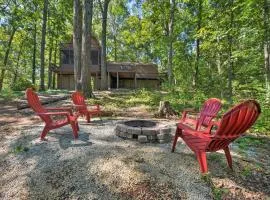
x=99 y=165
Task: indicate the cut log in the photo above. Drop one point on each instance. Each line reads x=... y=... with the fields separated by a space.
x=165 y=110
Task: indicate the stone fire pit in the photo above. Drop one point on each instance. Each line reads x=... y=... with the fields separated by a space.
x=144 y=131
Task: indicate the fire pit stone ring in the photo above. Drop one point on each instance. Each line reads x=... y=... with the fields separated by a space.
x=144 y=131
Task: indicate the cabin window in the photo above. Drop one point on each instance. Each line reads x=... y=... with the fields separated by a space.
x=67 y=57
x=95 y=57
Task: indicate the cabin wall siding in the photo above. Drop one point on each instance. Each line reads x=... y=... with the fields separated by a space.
x=65 y=81
x=150 y=84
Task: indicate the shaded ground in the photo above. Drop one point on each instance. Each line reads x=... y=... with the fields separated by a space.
x=102 y=166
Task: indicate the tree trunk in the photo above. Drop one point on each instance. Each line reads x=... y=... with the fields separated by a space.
x=230 y=67
x=104 y=11
x=34 y=56
x=50 y=66
x=165 y=110
x=86 y=47
x=196 y=75
x=54 y=61
x=267 y=47
x=77 y=43
x=115 y=48
x=17 y=63
x=3 y=70
x=170 y=56
x=43 y=43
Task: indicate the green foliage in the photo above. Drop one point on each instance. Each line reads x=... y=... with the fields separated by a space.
x=247 y=142
x=20 y=149
x=247 y=171
x=8 y=94
x=218 y=193
x=22 y=84
x=231 y=35
x=126 y=100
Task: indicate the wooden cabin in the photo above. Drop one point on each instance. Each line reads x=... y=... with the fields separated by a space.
x=120 y=74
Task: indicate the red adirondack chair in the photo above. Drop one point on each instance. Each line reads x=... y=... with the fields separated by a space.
x=208 y=112
x=46 y=115
x=80 y=105
x=233 y=123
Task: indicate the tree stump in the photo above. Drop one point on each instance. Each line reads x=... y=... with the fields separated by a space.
x=165 y=110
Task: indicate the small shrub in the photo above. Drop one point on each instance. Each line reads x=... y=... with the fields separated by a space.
x=19 y=149
x=22 y=84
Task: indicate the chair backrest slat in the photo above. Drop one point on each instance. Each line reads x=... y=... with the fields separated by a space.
x=210 y=107
x=239 y=119
x=78 y=99
x=35 y=104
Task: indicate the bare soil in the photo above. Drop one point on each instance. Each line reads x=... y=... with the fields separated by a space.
x=99 y=165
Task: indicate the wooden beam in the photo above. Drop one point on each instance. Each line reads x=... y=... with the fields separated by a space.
x=117 y=80
x=135 y=81
x=109 y=81
x=96 y=81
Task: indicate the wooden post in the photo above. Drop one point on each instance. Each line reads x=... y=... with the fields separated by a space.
x=135 y=81
x=96 y=82
x=109 y=81
x=117 y=80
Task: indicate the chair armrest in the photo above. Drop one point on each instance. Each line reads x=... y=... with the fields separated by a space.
x=79 y=107
x=67 y=114
x=185 y=112
x=96 y=105
x=55 y=113
x=211 y=125
x=64 y=109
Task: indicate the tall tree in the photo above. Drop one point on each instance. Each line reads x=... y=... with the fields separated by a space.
x=3 y=70
x=170 y=35
x=230 y=49
x=104 y=11
x=87 y=13
x=77 y=42
x=43 y=43
x=34 y=55
x=197 y=61
x=267 y=47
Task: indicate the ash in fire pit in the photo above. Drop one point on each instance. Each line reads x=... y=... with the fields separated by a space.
x=144 y=131
x=140 y=123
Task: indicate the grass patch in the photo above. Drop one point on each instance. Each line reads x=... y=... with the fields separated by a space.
x=246 y=142
x=19 y=149
x=247 y=171
x=215 y=157
x=7 y=95
x=143 y=97
x=218 y=193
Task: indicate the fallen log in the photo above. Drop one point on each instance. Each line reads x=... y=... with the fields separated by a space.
x=22 y=103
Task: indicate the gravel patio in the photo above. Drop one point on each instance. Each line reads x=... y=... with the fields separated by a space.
x=99 y=165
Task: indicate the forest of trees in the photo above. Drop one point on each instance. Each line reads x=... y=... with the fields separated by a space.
x=211 y=46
